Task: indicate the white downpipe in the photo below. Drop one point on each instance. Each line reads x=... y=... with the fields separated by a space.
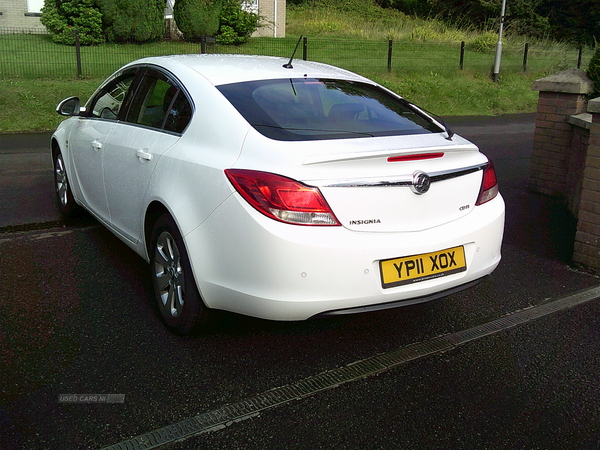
x=275 y=18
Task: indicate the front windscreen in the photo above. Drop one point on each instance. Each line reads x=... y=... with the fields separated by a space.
x=308 y=109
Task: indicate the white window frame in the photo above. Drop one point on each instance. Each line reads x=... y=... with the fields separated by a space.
x=250 y=6
x=35 y=6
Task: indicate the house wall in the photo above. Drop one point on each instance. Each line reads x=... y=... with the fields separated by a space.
x=20 y=13
x=272 y=14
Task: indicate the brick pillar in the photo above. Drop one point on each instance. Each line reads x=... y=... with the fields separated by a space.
x=561 y=95
x=587 y=239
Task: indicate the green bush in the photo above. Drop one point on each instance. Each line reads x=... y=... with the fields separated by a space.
x=148 y=26
x=197 y=18
x=63 y=17
x=594 y=69
x=236 y=24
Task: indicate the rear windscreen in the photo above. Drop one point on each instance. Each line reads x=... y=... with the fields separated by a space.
x=308 y=109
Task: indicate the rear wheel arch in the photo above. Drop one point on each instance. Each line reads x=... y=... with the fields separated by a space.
x=153 y=213
x=55 y=147
x=176 y=294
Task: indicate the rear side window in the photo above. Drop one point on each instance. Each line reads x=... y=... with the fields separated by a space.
x=308 y=109
x=159 y=103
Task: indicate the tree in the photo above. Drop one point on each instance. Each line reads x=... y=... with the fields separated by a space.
x=63 y=17
x=577 y=21
x=197 y=18
x=236 y=24
x=594 y=69
x=133 y=20
x=523 y=17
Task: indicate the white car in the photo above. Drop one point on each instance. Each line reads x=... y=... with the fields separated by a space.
x=277 y=189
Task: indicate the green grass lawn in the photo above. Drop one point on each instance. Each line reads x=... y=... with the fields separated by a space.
x=35 y=73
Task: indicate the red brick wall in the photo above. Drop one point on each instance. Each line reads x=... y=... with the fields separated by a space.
x=552 y=142
x=587 y=239
x=576 y=160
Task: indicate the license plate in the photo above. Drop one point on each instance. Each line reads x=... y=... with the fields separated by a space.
x=427 y=266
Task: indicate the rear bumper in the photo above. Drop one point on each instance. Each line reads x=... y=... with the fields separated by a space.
x=246 y=263
x=398 y=303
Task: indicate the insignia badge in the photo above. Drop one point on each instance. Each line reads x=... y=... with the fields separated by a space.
x=420 y=183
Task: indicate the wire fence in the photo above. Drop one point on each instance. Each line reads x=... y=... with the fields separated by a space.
x=30 y=53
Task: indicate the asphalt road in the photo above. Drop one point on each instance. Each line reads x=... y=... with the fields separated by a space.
x=511 y=364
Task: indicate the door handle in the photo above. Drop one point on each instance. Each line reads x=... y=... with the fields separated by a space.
x=96 y=145
x=143 y=154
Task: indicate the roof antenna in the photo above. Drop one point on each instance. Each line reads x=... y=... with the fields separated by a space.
x=289 y=64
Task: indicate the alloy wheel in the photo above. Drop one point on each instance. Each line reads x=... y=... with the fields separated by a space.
x=168 y=272
x=61 y=181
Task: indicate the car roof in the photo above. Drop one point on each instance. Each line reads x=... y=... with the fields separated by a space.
x=225 y=69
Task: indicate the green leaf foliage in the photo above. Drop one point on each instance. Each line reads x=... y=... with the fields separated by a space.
x=573 y=21
x=63 y=17
x=576 y=21
x=521 y=16
x=236 y=24
x=197 y=18
x=133 y=20
x=594 y=69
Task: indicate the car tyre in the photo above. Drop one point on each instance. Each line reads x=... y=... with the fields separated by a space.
x=176 y=295
x=62 y=187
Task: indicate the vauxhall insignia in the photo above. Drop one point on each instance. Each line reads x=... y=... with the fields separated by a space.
x=420 y=182
x=365 y=222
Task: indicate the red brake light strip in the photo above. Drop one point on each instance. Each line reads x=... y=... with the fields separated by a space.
x=415 y=157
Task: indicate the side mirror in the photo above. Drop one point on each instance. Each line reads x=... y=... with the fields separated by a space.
x=69 y=107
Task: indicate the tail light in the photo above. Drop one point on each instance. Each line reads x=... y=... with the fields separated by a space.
x=282 y=198
x=489 y=185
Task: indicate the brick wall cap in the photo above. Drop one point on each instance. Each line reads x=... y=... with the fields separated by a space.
x=570 y=81
x=593 y=106
x=583 y=120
